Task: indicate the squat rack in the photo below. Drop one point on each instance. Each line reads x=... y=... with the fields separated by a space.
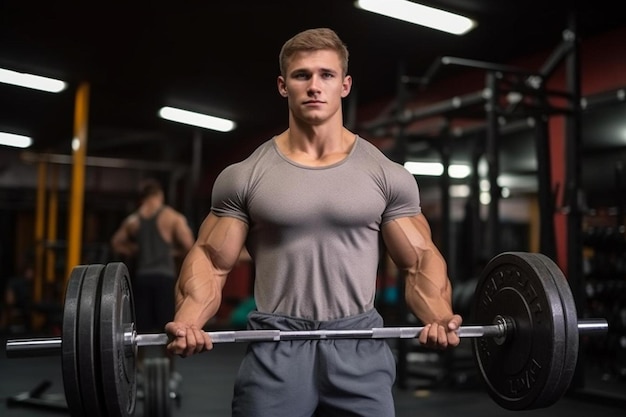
x=531 y=106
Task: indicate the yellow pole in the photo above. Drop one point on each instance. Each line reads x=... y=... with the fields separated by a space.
x=79 y=151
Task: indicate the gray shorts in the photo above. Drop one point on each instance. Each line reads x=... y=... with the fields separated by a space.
x=305 y=378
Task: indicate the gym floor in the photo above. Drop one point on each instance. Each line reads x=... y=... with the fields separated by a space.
x=208 y=379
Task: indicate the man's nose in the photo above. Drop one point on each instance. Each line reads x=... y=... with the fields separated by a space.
x=314 y=85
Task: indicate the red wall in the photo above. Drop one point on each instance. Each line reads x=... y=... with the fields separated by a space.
x=603 y=68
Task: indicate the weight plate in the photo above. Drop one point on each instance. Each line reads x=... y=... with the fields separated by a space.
x=150 y=395
x=88 y=346
x=157 y=400
x=570 y=317
x=117 y=353
x=521 y=371
x=69 y=357
x=167 y=400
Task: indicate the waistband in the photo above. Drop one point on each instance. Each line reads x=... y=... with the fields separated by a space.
x=271 y=321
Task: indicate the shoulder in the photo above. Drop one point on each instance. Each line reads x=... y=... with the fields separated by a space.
x=374 y=158
x=263 y=155
x=396 y=183
x=127 y=228
x=370 y=150
x=131 y=220
x=170 y=213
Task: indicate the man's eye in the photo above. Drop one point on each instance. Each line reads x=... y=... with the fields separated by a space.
x=328 y=75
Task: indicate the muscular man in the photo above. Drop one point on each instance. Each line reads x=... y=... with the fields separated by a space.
x=310 y=205
x=154 y=236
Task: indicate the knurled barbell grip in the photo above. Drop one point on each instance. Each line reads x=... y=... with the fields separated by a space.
x=283 y=335
x=52 y=346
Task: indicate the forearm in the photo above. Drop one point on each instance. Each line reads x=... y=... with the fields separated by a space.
x=199 y=289
x=427 y=286
x=428 y=292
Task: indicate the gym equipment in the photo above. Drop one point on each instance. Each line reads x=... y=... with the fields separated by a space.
x=526 y=352
x=157 y=398
x=536 y=369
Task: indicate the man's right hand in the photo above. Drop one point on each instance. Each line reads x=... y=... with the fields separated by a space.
x=186 y=340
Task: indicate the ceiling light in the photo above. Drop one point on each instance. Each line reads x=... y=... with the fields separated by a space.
x=459 y=171
x=31 y=81
x=16 y=141
x=196 y=119
x=420 y=15
x=435 y=169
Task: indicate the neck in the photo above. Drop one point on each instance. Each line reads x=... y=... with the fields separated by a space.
x=316 y=145
x=150 y=205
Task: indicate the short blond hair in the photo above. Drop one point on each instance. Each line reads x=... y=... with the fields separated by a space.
x=313 y=40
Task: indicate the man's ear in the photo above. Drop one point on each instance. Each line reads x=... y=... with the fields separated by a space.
x=346 y=86
x=282 y=86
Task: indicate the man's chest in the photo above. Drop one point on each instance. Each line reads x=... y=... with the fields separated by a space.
x=316 y=198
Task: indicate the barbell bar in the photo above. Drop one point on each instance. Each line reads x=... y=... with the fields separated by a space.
x=51 y=346
x=526 y=353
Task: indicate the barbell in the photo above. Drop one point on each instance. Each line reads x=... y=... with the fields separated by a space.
x=526 y=352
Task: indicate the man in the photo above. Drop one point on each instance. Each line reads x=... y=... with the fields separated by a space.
x=155 y=236
x=309 y=205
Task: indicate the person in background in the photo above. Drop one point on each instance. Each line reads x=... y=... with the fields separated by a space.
x=310 y=206
x=154 y=237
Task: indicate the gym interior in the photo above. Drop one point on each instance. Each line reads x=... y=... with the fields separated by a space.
x=539 y=128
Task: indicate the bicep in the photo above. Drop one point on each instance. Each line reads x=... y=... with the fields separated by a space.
x=221 y=240
x=407 y=239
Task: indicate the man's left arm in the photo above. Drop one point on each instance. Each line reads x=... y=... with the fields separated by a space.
x=428 y=291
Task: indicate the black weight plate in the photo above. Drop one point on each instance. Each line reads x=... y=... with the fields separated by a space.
x=157 y=400
x=118 y=356
x=570 y=317
x=559 y=381
x=149 y=388
x=167 y=405
x=521 y=372
x=88 y=342
x=69 y=356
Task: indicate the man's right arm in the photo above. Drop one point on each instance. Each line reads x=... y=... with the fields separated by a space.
x=121 y=241
x=202 y=276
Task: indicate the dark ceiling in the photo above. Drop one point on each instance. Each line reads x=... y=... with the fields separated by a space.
x=222 y=57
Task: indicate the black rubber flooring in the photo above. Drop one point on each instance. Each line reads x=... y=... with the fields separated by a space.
x=208 y=379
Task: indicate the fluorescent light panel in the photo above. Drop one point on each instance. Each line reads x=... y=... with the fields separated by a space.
x=435 y=169
x=419 y=15
x=35 y=82
x=16 y=141
x=197 y=119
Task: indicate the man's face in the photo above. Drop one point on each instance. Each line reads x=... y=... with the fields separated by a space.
x=314 y=85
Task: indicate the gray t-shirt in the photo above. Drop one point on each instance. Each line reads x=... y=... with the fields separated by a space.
x=314 y=232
